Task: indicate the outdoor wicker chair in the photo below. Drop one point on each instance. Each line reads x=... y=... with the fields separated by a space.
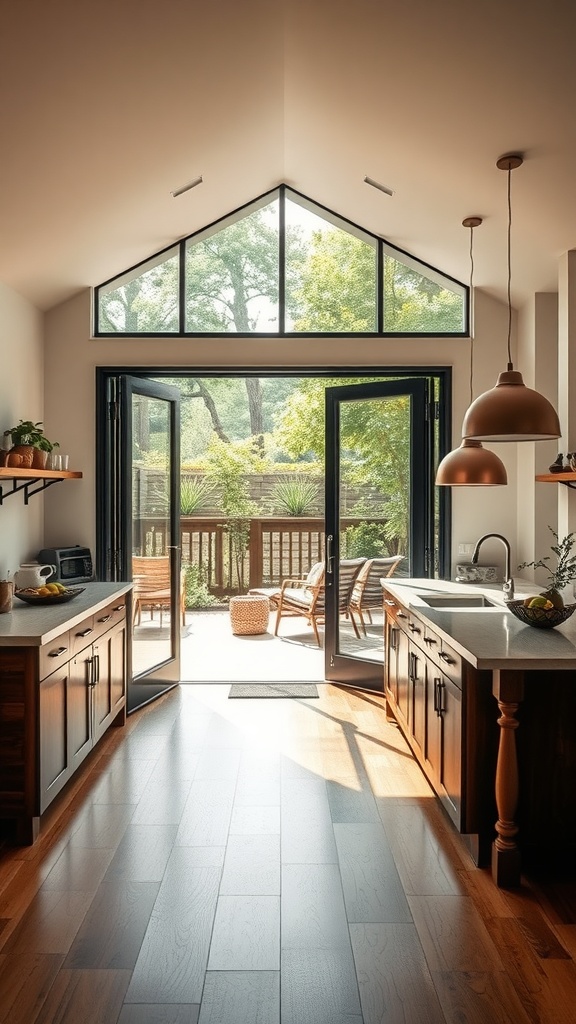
x=366 y=592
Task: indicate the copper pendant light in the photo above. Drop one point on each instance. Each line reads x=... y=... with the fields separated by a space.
x=511 y=411
x=471 y=465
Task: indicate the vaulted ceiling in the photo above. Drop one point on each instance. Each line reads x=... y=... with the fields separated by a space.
x=106 y=108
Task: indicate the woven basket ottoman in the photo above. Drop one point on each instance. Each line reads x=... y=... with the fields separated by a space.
x=249 y=614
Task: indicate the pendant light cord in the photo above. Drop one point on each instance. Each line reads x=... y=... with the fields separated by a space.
x=471 y=313
x=510 y=366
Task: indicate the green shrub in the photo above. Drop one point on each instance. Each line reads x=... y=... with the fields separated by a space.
x=194 y=494
x=296 y=495
x=366 y=539
x=196 y=585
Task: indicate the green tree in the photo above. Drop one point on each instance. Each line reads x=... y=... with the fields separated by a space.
x=338 y=284
x=375 y=445
x=337 y=291
x=414 y=303
x=228 y=464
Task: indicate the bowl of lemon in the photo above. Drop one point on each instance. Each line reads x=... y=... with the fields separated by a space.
x=539 y=611
x=49 y=593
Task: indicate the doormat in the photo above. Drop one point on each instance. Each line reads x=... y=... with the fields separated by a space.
x=273 y=690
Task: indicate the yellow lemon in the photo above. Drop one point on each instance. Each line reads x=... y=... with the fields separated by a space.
x=52 y=588
x=43 y=592
x=540 y=602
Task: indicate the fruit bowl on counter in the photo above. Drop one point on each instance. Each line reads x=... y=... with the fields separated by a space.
x=540 y=612
x=45 y=595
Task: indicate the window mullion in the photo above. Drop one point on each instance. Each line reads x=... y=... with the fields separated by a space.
x=282 y=261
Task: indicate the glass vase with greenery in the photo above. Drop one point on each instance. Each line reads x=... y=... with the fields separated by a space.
x=562 y=574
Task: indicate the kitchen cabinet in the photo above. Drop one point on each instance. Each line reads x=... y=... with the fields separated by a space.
x=438 y=701
x=56 y=701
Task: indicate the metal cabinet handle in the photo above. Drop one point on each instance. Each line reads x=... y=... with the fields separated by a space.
x=441 y=688
x=119 y=608
x=85 y=632
x=430 y=640
x=446 y=657
x=58 y=653
x=401 y=615
x=105 y=618
x=414 y=629
x=436 y=681
x=393 y=637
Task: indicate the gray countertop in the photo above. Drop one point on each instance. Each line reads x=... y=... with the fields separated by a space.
x=490 y=638
x=34 y=625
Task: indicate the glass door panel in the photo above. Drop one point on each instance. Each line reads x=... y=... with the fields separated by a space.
x=149 y=531
x=152 y=539
x=378 y=515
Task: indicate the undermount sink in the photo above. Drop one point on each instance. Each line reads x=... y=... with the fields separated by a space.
x=458 y=601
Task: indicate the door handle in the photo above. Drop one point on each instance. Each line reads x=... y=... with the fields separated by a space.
x=329 y=555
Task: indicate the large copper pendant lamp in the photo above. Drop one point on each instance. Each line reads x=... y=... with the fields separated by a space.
x=511 y=411
x=471 y=465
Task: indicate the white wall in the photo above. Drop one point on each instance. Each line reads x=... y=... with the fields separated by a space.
x=72 y=356
x=21 y=398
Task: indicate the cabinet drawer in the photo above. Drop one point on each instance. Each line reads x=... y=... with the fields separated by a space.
x=432 y=642
x=109 y=616
x=391 y=607
x=52 y=655
x=81 y=635
x=451 y=664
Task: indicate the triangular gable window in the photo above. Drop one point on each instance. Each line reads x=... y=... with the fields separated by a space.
x=283 y=265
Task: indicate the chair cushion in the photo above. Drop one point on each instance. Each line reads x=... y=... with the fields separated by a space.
x=315 y=574
x=299 y=596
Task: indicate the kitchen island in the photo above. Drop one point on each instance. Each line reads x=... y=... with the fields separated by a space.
x=62 y=684
x=449 y=670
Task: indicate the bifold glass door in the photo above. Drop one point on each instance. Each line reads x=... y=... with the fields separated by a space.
x=379 y=441
x=142 y=498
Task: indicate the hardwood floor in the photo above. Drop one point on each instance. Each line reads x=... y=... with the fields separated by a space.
x=269 y=862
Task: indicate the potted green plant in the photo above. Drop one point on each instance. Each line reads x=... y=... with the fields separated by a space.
x=562 y=574
x=30 y=446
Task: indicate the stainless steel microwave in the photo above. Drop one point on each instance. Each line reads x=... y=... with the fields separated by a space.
x=73 y=565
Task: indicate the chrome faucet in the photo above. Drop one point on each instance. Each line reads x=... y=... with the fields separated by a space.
x=508 y=587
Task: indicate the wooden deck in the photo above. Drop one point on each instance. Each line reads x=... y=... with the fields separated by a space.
x=211 y=653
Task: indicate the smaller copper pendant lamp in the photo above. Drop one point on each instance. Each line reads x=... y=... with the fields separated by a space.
x=511 y=411
x=471 y=465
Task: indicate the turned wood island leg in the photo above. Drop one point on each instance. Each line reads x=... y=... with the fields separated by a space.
x=508 y=689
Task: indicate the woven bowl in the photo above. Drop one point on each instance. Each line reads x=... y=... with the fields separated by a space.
x=542 y=618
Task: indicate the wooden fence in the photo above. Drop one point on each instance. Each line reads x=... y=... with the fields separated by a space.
x=277 y=548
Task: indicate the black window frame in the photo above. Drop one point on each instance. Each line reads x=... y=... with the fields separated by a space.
x=382 y=247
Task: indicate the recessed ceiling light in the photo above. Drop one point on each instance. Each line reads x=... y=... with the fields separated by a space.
x=186 y=188
x=376 y=184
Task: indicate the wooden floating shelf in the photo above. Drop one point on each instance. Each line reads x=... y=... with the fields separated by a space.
x=568 y=478
x=15 y=473
x=32 y=481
